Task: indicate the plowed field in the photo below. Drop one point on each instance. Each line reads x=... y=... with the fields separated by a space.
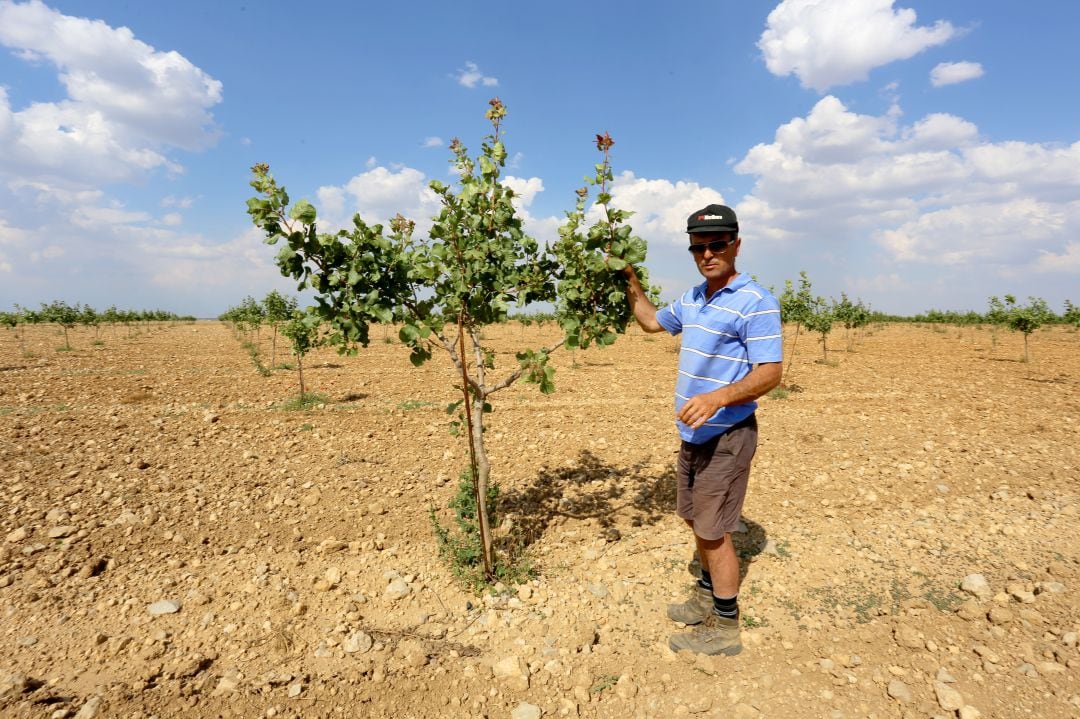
x=175 y=542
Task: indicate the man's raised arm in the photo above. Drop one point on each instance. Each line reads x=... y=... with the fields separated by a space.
x=644 y=310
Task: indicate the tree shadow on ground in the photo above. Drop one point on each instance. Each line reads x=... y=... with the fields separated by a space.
x=590 y=489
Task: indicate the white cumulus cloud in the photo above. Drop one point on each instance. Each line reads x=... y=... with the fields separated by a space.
x=127 y=103
x=471 y=76
x=826 y=43
x=931 y=192
x=950 y=73
x=378 y=194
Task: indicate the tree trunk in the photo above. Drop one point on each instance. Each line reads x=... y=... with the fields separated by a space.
x=794 y=342
x=824 y=347
x=300 y=367
x=479 y=466
x=1026 y=359
x=483 y=473
x=273 y=348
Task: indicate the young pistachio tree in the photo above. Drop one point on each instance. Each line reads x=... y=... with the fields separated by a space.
x=63 y=314
x=277 y=308
x=302 y=331
x=796 y=307
x=820 y=320
x=1071 y=316
x=852 y=315
x=475 y=264
x=1021 y=318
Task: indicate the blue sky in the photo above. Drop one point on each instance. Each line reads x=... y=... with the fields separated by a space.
x=912 y=154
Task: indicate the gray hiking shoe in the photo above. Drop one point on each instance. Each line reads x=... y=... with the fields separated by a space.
x=716 y=635
x=695 y=609
x=694 y=567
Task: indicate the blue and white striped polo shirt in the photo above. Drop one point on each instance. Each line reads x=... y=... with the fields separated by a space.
x=723 y=337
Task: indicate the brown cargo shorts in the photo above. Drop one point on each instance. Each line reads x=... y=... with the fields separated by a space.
x=712 y=479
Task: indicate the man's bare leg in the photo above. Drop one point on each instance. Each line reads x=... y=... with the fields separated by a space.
x=719 y=558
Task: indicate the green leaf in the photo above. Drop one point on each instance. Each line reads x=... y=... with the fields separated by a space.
x=303 y=211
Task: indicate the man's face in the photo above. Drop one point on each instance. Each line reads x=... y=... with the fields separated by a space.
x=714 y=253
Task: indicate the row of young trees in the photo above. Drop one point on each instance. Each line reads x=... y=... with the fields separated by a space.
x=68 y=316
x=282 y=314
x=819 y=315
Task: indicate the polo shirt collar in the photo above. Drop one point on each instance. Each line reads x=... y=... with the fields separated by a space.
x=738 y=281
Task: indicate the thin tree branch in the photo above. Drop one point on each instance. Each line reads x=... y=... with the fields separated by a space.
x=516 y=374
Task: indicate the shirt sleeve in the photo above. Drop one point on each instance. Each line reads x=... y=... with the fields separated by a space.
x=670 y=317
x=764 y=341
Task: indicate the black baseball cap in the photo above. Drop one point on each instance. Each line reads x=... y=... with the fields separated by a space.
x=714 y=218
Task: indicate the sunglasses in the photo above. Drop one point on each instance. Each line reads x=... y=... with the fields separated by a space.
x=715 y=246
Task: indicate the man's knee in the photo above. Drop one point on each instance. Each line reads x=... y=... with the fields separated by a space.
x=714 y=543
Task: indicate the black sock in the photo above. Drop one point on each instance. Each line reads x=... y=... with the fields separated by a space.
x=706 y=580
x=727 y=607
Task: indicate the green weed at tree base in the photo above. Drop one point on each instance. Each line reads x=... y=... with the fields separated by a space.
x=302 y=402
x=460 y=545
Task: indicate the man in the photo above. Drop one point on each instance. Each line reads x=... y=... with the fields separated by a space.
x=730 y=356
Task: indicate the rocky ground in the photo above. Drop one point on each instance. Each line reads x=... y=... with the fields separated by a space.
x=174 y=542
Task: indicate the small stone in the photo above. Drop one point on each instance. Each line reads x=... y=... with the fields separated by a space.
x=943 y=675
x=513 y=672
x=524 y=710
x=358 y=642
x=948 y=698
x=164 y=606
x=907 y=636
x=331 y=545
x=89 y=710
x=999 y=615
x=1049 y=588
x=377 y=508
x=333 y=576
x=969 y=610
x=625 y=687
x=976 y=585
x=12 y=685
x=1023 y=596
x=969 y=712
x=1027 y=669
x=227 y=684
x=1069 y=639
x=61 y=532
x=524 y=592
x=397 y=589
x=17 y=535
x=295 y=690
x=26 y=641
x=899 y=691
